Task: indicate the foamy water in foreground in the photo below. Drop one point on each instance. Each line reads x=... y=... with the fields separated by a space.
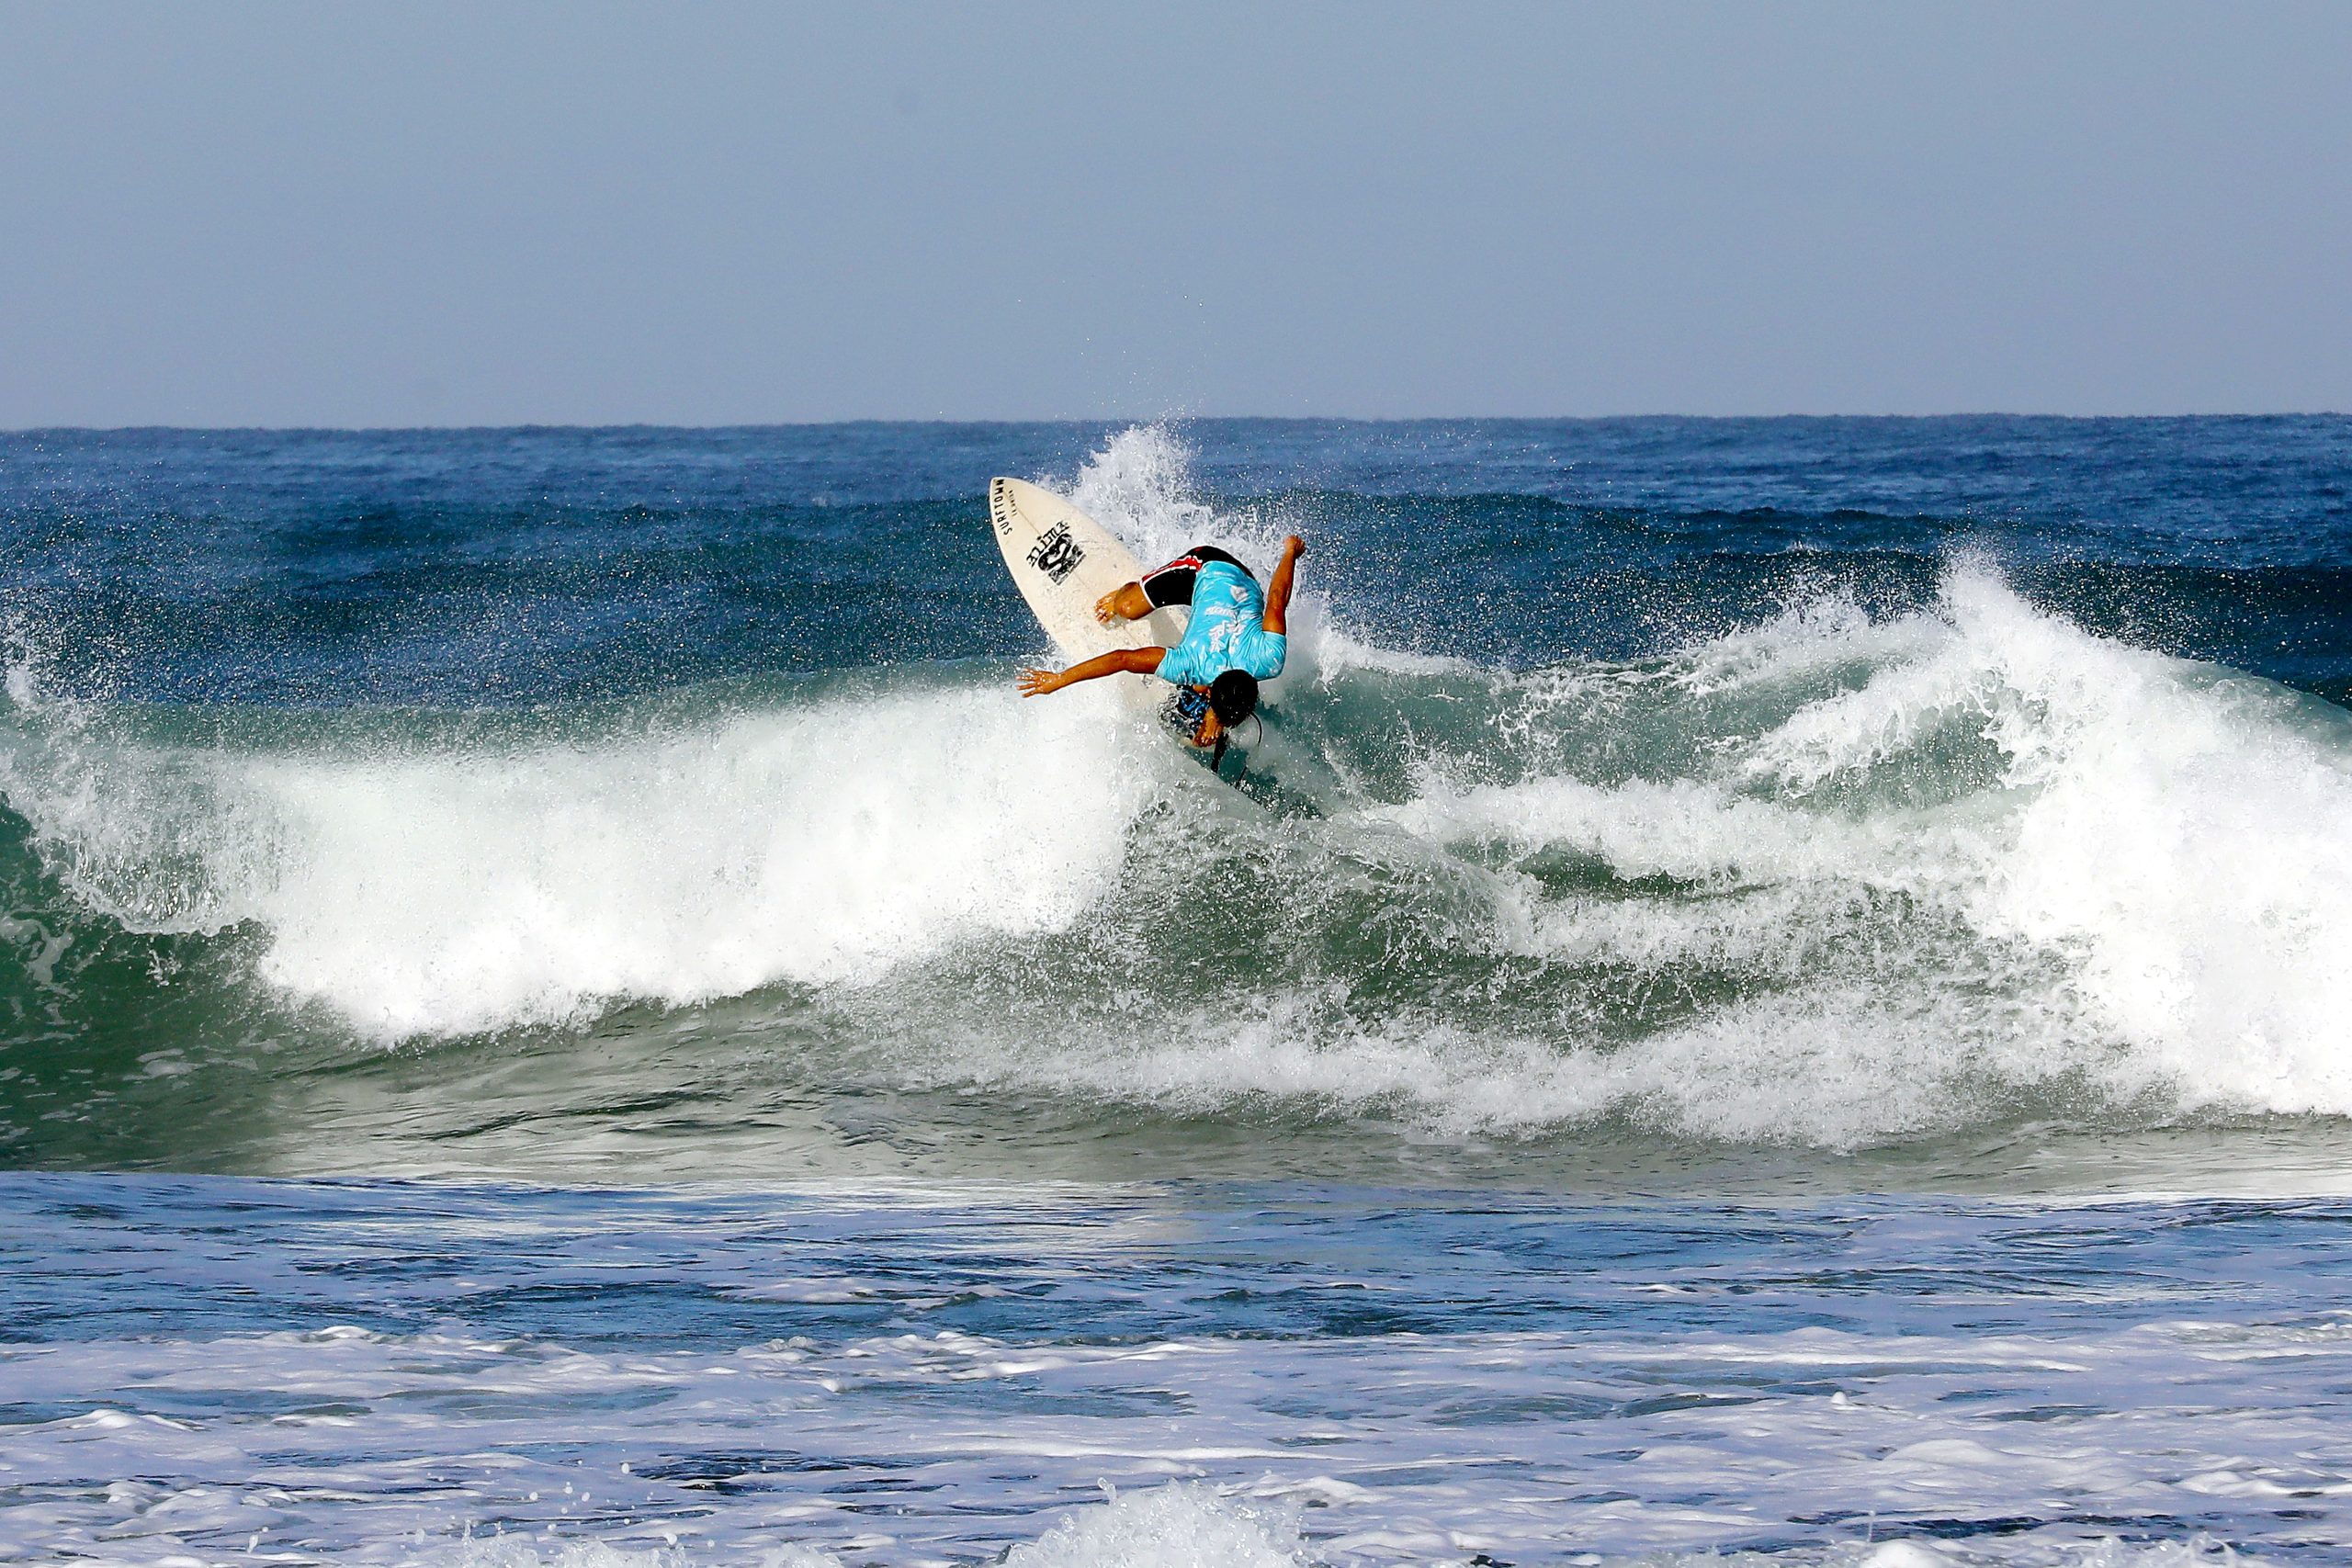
x=1222 y=1377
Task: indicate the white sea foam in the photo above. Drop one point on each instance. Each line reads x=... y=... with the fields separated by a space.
x=2177 y=835
x=2156 y=877
x=417 y=892
x=1839 y=1066
x=1803 y=640
x=1268 y=1461
x=1169 y=1527
x=1184 y=1525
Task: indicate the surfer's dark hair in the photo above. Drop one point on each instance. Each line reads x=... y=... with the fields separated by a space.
x=1233 y=697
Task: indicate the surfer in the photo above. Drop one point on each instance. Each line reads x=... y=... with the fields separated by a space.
x=1238 y=636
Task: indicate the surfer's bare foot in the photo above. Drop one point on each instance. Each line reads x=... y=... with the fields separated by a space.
x=1124 y=603
x=1037 y=682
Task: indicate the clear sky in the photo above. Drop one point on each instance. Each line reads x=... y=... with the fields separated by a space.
x=497 y=213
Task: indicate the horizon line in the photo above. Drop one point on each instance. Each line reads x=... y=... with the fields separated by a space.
x=1165 y=418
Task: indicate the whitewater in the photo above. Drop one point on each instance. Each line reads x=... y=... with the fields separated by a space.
x=1769 y=988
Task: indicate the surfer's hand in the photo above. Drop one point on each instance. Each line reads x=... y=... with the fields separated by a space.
x=1107 y=609
x=1294 y=547
x=1037 y=682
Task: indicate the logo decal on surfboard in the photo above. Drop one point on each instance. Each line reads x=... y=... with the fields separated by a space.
x=1056 y=553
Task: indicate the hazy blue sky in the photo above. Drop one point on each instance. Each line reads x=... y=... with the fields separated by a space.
x=315 y=214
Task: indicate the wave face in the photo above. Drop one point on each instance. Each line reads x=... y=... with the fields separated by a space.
x=485 y=800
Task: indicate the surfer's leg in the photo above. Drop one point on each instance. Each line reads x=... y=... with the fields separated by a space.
x=1162 y=586
x=1172 y=583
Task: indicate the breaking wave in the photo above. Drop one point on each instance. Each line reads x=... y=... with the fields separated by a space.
x=1838 y=878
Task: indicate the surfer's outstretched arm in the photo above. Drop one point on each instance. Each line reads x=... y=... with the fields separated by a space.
x=1140 y=661
x=1278 y=590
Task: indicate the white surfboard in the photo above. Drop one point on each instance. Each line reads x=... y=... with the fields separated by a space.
x=1063 y=560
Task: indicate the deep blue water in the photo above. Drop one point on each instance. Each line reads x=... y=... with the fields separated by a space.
x=290 y=567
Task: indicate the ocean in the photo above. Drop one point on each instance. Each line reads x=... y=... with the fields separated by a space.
x=1771 y=992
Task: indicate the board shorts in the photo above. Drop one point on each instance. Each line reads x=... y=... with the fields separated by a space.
x=1172 y=583
x=1183 y=713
